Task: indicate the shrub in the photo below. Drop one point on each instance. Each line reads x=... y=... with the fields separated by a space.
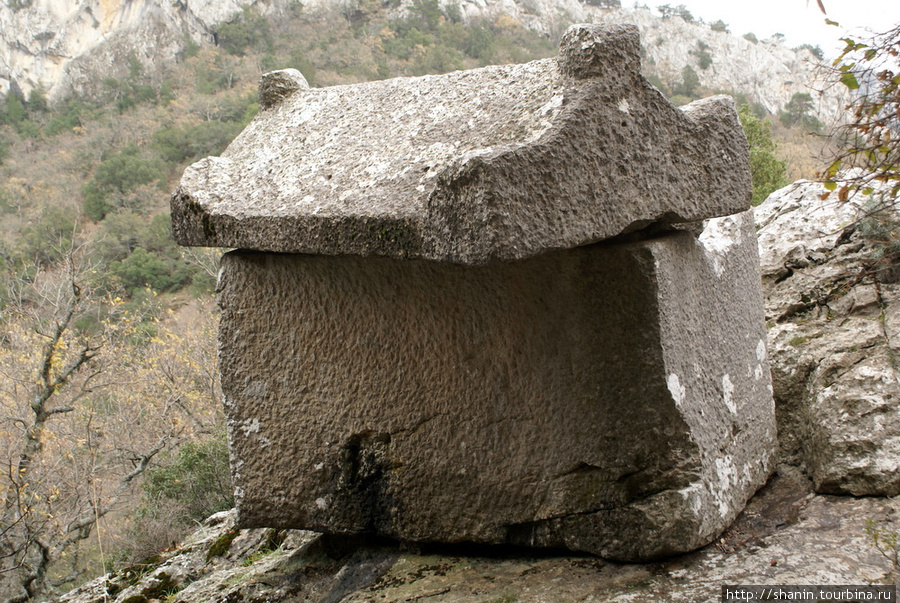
x=197 y=480
x=148 y=269
x=719 y=25
x=37 y=100
x=177 y=144
x=681 y=10
x=74 y=115
x=880 y=227
x=47 y=238
x=119 y=234
x=213 y=71
x=751 y=37
x=816 y=51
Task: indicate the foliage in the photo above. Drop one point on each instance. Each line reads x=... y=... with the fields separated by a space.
x=719 y=25
x=144 y=268
x=15 y=114
x=690 y=81
x=14 y=111
x=798 y=112
x=197 y=480
x=704 y=58
x=751 y=37
x=766 y=170
x=886 y=542
x=213 y=71
x=72 y=449
x=880 y=227
x=816 y=51
x=248 y=30
x=49 y=237
x=666 y=11
x=131 y=91
x=177 y=144
x=37 y=100
x=140 y=253
x=870 y=140
x=117 y=175
x=74 y=115
x=434 y=41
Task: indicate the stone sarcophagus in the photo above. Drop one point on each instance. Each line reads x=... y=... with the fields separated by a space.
x=485 y=307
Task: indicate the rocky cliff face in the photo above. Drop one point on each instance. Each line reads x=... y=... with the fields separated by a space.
x=63 y=46
x=768 y=72
x=66 y=47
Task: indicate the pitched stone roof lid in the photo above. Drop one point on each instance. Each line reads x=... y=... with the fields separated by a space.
x=498 y=163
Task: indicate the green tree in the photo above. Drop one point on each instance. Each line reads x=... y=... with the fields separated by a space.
x=37 y=100
x=704 y=58
x=150 y=269
x=798 y=111
x=690 y=81
x=15 y=112
x=767 y=171
x=667 y=10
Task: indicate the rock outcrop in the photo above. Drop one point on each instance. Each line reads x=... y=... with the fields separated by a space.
x=833 y=325
x=460 y=311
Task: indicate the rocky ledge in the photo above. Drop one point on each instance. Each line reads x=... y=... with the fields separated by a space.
x=787 y=535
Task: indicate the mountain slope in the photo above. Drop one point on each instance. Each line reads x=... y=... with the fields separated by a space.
x=66 y=49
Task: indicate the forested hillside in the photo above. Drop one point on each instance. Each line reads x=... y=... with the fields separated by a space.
x=110 y=421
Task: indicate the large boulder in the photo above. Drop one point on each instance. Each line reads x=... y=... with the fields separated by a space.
x=464 y=309
x=830 y=296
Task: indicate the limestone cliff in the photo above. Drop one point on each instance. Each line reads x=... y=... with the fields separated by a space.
x=63 y=46
x=67 y=47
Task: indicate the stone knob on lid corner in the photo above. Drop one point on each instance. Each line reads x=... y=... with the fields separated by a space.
x=275 y=86
x=591 y=50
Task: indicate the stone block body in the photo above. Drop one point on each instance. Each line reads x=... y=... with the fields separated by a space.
x=613 y=398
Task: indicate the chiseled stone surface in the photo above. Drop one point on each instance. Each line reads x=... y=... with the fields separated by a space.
x=612 y=398
x=504 y=162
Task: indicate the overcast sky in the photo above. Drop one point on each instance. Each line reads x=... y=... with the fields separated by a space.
x=799 y=22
